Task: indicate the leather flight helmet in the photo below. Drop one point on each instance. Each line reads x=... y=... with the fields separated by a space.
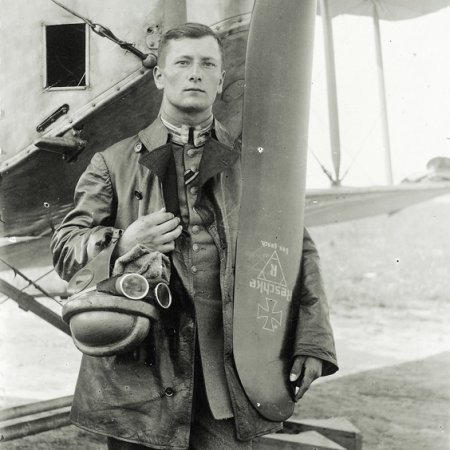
x=111 y=315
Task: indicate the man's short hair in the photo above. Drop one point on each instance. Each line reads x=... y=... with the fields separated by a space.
x=189 y=30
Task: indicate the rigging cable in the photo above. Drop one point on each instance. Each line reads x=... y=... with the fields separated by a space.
x=148 y=60
x=324 y=169
x=30 y=281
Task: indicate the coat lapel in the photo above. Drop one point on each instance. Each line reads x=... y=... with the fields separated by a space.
x=218 y=154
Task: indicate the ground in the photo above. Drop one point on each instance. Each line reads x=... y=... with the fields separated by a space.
x=387 y=281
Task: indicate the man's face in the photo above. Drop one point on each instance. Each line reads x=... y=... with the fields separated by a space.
x=190 y=74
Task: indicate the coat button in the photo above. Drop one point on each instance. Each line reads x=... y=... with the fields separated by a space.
x=138 y=147
x=172 y=331
x=138 y=195
x=196 y=229
x=193 y=190
x=196 y=247
x=194 y=269
x=191 y=152
x=169 y=392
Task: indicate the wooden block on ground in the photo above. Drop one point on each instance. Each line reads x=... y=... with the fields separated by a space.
x=338 y=429
x=308 y=440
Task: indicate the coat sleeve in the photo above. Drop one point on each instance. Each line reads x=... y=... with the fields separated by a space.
x=88 y=228
x=314 y=336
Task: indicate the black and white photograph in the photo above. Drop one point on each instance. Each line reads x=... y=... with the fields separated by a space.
x=224 y=225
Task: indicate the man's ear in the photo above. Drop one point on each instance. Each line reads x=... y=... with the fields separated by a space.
x=158 y=77
x=220 y=86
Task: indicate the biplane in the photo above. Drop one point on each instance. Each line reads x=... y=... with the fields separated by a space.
x=86 y=82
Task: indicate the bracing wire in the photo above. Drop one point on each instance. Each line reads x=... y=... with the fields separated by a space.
x=30 y=281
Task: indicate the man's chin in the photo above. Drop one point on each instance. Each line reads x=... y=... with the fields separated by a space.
x=194 y=108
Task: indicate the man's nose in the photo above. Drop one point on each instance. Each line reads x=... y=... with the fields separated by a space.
x=196 y=73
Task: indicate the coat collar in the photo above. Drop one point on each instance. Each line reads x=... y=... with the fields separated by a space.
x=219 y=152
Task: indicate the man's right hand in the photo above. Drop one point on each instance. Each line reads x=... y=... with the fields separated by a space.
x=156 y=231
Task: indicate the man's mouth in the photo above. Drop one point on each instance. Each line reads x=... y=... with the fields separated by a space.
x=194 y=90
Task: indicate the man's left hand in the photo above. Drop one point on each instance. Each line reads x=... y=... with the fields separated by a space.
x=305 y=370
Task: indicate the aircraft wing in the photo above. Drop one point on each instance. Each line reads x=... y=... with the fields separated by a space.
x=323 y=206
x=340 y=204
x=387 y=9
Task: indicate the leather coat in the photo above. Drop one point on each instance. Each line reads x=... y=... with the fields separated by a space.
x=146 y=396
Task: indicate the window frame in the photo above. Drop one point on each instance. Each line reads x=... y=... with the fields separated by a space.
x=87 y=58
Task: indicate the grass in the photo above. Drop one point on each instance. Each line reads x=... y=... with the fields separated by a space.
x=396 y=262
x=402 y=407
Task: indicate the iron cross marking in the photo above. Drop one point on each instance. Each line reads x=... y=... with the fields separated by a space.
x=272 y=318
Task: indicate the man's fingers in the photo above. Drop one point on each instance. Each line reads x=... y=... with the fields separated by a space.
x=157 y=218
x=167 y=248
x=297 y=368
x=166 y=227
x=312 y=371
x=148 y=230
x=169 y=237
x=301 y=391
x=309 y=377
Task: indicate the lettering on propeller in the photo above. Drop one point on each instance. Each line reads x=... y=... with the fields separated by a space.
x=275 y=246
x=271 y=279
x=272 y=318
x=272 y=272
x=268 y=288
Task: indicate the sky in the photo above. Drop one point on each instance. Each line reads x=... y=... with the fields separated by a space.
x=416 y=56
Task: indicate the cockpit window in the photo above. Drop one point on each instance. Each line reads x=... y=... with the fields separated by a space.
x=66 y=56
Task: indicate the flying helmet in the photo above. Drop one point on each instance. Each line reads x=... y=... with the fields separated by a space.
x=110 y=315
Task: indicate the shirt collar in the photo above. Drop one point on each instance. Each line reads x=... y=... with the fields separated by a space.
x=184 y=134
x=219 y=152
x=156 y=134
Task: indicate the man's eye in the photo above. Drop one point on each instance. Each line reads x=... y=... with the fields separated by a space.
x=209 y=64
x=183 y=62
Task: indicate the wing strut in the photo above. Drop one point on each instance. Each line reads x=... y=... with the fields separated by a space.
x=382 y=96
x=333 y=114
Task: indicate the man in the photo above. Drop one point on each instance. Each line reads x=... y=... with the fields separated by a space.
x=175 y=188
